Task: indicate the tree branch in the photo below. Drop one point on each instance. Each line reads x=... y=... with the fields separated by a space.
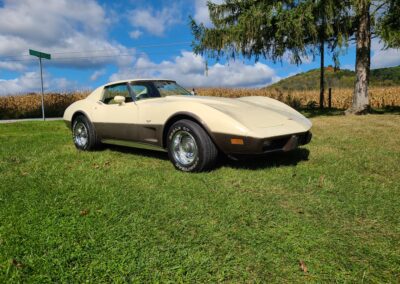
x=378 y=8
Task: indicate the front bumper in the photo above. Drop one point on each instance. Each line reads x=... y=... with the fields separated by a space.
x=258 y=146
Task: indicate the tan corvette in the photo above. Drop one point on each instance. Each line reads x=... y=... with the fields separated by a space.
x=159 y=114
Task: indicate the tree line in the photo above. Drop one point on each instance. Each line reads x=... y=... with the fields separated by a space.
x=299 y=29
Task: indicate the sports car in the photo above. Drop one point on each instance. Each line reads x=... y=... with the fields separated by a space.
x=161 y=115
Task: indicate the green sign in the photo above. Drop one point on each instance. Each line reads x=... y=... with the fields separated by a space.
x=39 y=54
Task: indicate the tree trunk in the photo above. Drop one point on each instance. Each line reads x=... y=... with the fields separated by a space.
x=360 y=102
x=322 y=81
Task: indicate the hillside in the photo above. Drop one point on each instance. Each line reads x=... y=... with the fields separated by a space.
x=309 y=80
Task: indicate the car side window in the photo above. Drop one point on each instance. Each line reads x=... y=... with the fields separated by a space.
x=143 y=90
x=116 y=90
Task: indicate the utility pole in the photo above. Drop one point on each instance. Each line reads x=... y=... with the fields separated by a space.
x=41 y=55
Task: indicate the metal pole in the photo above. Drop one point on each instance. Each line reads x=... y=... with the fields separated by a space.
x=41 y=79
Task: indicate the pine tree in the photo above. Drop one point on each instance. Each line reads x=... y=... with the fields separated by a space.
x=300 y=28
x=363 y=57
x=274 y=29
x=379 y=18
x=389 y=25
x=333 y=25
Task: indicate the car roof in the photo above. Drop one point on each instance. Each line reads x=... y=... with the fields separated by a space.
x=135 y=80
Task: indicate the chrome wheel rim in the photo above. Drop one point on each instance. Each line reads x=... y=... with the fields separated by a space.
x=80 y=134
x=184 y=147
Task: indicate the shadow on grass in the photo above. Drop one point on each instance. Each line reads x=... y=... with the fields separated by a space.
x=309 y=113
x=273 y=160
x=137 y=151
x=251 y=162
x=386 y=110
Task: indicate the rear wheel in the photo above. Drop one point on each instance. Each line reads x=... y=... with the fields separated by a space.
x=84 y=134
x=190 y=148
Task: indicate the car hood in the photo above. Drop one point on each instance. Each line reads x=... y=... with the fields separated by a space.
x=252 y=112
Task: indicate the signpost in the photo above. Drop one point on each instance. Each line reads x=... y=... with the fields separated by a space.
x=40 y=55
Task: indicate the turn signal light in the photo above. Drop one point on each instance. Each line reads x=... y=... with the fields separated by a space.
x=237 y=141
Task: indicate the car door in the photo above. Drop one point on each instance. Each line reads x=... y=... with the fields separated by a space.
x=146 y=95
x=113 y=120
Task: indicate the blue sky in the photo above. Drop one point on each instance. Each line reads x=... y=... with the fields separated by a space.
x=94 y=42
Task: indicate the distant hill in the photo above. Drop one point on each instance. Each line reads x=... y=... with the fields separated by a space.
x=337 y=79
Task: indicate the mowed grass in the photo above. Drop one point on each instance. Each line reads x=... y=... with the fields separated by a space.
x=122 y=215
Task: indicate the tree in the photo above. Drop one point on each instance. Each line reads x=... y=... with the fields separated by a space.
x=379 y=18
x=389 y=26
x=255 y=28
x=363 y=56
x=333 y=25
x=272 y=29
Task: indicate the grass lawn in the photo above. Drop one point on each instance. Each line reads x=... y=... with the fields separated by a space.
x=127 y=215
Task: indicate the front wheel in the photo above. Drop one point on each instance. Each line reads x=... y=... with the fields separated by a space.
x=84 y=134
x=190 y=148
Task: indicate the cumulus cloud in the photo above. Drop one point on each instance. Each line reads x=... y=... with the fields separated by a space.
x=383 y=57
x=59 y=27
x=30 y=82
x=97 y=74
x=153 y=21
x=189 y=70
x=13 y=66
x=201 y=14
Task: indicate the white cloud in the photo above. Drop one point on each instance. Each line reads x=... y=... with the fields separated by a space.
x=305 y=59
x=189 y=70
x=153 y=21
x=201 y=14
x=30 y=82
x=20 y=84
x=59 y=27
x=383 y=58
x=97 y=74
x=135 y=34
x=58 y=19
x=11 y=65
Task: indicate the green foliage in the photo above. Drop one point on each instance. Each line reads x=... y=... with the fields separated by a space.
x=127 y=216
x=309 y=80
x=385 y=76
x=389 y=25
x=272 y=28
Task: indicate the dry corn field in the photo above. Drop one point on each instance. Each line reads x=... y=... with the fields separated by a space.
x=29 y=105
x=380 y=97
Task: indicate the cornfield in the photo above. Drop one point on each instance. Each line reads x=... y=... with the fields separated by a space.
x=380 y=97
x=29 y=105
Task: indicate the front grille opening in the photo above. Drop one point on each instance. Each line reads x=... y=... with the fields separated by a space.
x=275 y=144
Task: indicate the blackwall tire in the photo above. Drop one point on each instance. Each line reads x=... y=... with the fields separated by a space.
x=190 y=148
x=83 y=134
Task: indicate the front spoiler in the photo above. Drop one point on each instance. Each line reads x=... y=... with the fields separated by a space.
x=259 y=146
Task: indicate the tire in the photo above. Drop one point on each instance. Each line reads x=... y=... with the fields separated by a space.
x=83 y=134
x=190 y=149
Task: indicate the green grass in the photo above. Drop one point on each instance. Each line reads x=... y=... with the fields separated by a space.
x=126 y=215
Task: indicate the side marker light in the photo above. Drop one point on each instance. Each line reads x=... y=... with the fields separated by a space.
x=237 y=141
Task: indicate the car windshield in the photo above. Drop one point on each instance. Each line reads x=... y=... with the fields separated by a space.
x=168 y=88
